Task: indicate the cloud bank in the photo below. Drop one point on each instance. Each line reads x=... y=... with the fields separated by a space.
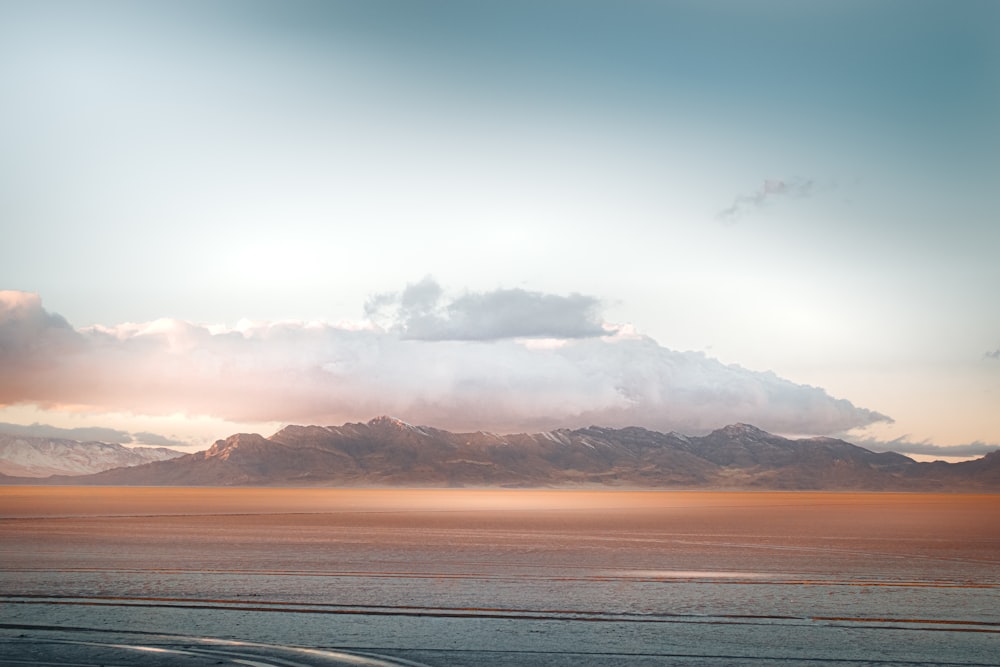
x=770 y=190
x=90 y=434
x=903 y=446
x=83 y=434
x=468 y=363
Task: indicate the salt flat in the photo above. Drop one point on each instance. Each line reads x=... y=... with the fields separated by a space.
x=508 y=577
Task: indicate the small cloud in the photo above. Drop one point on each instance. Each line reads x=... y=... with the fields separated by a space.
x=421 y=312
x=995 y=354
x=770 y=190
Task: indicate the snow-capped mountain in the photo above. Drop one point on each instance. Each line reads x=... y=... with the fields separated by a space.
x=29 y=456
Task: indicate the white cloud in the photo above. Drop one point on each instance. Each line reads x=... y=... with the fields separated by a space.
x=327 y=374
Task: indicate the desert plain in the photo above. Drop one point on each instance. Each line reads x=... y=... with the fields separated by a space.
x=319 y=576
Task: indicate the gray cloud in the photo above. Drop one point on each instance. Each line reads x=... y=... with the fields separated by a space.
x=769 y=191
x=420 y=312
x=903 y=446
x=90 y=434
x=995 y=354
x=83 y=434
x=325 y=374
x=28 y=334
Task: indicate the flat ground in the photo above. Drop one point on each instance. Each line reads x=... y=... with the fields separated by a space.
x=511 y=577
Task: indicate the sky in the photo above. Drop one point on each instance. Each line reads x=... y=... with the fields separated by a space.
x=229 y=216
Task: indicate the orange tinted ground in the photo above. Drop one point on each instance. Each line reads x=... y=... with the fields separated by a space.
x=937 y=510
x=509 y=577
x=897 y=521
x=23 y=501
x=72 y=555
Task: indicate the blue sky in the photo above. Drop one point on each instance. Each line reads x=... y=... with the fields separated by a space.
x=804 y=190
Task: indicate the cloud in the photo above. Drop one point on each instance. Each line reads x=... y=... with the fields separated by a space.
x=420 y=313
x=90 y=434
x=83 y=434
x=157 y=440
x=903 y=446
x=770 y=190
x=995 y=354
x=463 y=371
x=28 y=332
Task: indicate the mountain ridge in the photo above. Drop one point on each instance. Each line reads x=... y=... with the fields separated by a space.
x=392 y=453
x=38 y=457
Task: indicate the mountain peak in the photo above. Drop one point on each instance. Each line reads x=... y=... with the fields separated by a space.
x=385 y=421
x=241 y=441
x=741 y=430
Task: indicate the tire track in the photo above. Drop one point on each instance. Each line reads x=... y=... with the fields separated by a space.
x=491 y=613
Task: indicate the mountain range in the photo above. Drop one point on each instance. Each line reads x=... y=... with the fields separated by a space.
x=389 y=452
x=31 y=456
